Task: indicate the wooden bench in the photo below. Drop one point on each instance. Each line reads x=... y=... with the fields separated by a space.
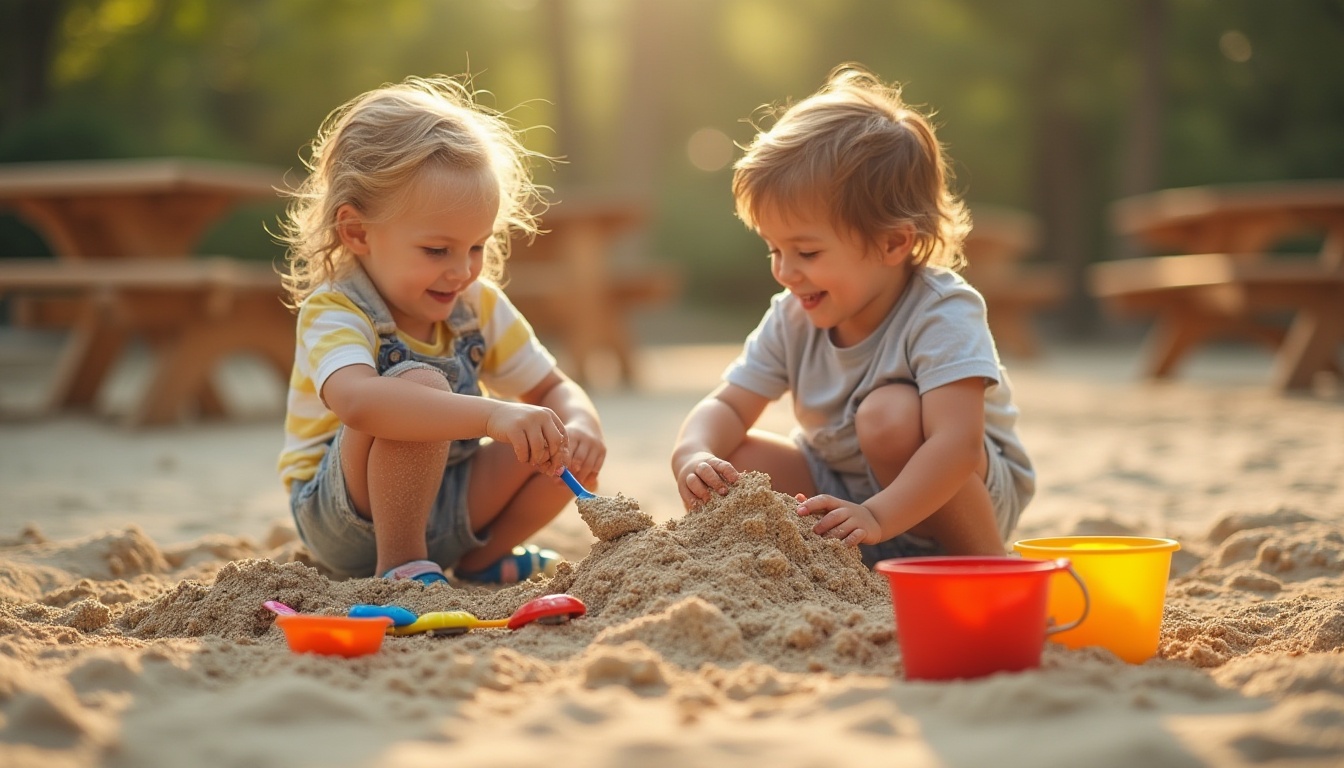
x=570 y=285
x=194 y=312
x=1199 y=297
x=1223 y=281
x=1014 y=290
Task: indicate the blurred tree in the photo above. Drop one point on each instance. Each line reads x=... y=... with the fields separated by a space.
x=28 y=27
x=1057 y=108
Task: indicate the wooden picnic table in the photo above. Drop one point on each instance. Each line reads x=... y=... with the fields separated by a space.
x=569 y=283
x=124 y=233
x=1223 y=277
x=997 y=252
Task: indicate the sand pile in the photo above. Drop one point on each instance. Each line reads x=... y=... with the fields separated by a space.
x=741 y=578
x=1290 y=566
x=611 y=517
x=735 y=621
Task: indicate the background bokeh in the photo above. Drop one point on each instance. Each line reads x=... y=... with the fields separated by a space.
x=1057 y=108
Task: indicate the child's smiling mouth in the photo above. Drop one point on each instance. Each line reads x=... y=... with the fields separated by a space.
x=443 y=297
x=810 y=300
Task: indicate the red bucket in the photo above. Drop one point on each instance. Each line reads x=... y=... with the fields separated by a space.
x=963 y=617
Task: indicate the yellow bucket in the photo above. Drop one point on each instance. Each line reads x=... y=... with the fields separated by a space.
x=1127 y=579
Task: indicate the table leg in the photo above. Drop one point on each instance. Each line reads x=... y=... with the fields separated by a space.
x=584 y=252
x=1174 y=334
x=183 y=367
x=95 y=344
x=1312 y=345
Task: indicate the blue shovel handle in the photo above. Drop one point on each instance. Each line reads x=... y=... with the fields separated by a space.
x=576 y=486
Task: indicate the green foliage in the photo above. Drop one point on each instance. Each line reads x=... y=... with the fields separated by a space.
x=1251 y=91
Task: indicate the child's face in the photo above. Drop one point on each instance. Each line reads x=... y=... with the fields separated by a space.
x=842 y=283
x=422 y=257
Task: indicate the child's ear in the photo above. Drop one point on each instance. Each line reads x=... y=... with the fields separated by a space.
x=897 y=243
x=350 y=227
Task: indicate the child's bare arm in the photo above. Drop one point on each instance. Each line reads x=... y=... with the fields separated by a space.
x=954 y=433
x=714 y=428
x=396 y=409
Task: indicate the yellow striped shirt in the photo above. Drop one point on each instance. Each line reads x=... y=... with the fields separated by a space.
x=334 y=332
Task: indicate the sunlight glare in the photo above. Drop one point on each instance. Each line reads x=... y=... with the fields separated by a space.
x=709 y=149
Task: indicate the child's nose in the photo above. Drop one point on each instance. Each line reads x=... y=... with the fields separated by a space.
x=457 y=267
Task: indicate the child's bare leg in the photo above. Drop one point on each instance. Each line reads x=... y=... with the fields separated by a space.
x=778 y=457
x=513 y=499
x=393 y=483
x=891 y=428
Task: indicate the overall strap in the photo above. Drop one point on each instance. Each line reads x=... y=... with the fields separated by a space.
x=360 y=289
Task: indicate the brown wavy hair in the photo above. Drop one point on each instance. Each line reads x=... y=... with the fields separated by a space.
x=858 y=148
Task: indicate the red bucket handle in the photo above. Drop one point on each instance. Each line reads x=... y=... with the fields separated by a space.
x=1064 y=565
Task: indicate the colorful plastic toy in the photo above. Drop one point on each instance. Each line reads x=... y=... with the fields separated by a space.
x=967 y=617
x=400 y=616
x=446 y=623
x=279 y=608
x=547 y=609
x=1127 y=576
x=333 y=635
x=576 y=486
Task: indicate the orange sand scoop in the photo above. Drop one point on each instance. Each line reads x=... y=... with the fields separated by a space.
x=333 y=635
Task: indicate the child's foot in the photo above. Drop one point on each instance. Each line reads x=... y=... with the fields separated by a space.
x=426 y=572
x=521 y=564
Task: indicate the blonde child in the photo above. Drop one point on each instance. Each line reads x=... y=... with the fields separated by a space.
x=905 y=442
x=397 y=462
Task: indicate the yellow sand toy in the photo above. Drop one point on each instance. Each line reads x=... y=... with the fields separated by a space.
x=547 y=609
x=446 y=623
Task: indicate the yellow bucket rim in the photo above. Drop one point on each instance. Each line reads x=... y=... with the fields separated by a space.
x=1122 y=544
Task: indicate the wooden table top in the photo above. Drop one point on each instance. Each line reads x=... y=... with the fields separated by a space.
x=85 y=178
x=1234 y=216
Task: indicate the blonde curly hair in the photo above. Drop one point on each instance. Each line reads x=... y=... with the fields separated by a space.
x=371 y=150
x=855 y=146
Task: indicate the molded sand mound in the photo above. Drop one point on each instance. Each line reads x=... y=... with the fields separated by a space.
x=740 y=578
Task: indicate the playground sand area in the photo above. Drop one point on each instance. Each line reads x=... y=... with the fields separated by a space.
x=724 y=635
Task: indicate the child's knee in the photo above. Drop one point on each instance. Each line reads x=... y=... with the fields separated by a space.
x=421 y=373
x=890 y=423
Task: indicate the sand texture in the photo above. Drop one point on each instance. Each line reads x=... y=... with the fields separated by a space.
x=132 y=631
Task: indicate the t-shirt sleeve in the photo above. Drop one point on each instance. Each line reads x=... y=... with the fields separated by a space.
x=333 y=333
x=515 y=360
x=762 y=367
x=950 y=341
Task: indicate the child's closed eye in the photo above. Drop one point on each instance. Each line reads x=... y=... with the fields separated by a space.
x=435 y=251
x=773 y=254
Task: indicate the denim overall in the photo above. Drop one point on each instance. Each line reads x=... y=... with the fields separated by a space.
x=323 y=512
x=463 y=369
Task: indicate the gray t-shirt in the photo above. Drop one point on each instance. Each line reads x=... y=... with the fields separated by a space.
x=935 y=335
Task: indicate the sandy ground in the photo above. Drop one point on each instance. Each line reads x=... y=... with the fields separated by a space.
x=133 y=565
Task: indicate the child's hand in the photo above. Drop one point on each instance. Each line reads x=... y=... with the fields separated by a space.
x=845 y=520
x=703 y=476
x=587 y=452
x=536 y=434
